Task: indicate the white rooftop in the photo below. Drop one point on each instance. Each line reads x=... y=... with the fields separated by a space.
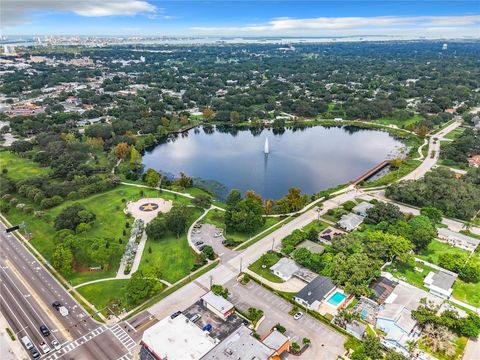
x=286 y=266
x=178 y=339
x=218 y=302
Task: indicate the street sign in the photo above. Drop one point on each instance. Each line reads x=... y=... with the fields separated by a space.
x=13 y=228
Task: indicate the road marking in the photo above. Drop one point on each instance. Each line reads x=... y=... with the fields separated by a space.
x=40 y=302
x=123 y=337
x=4 y=302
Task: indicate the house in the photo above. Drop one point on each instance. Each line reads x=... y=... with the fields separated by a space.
x=328 y=234
x=356 y=328
x=285 y=268
x=312 y=246
x=440 y=283
x=381 y=289
x=176 y=338
x=459 y=240
x=217 y=304
x=361 y=209
x=312 y=295
x=474 y=160
x=394 y=317
x=241 y=345
x=350 y=221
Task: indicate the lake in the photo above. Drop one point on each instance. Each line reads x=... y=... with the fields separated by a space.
x=312 y=158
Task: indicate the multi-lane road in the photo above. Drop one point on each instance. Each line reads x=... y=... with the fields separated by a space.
x=27 y=291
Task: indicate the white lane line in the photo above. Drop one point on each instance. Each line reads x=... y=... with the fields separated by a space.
x=15 y=316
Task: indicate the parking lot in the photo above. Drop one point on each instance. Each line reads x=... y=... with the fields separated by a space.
x=211 y=235
x=326 y=342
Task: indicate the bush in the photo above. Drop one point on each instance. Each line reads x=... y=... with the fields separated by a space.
x=51 y=202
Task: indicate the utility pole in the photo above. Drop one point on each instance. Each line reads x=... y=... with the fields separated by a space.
x=241 y=261
x=273 y=243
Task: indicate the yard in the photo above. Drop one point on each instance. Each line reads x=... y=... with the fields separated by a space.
x=20 y=168
x=411 y=274
x=400 y=123
x=436 y=249
x=459 y=345
x=467 y=292
x=454 y=133
x=269 y=259
x=216 y=217
x=103 y=293
x=173 y=257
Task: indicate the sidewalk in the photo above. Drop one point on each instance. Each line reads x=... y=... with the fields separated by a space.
x=293 y=285
x=10 y=350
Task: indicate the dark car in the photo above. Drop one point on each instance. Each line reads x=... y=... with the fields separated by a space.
x=56 y=304
x=35 y=353
x=198 y=243
x=44 y=330
x=175 y=314
x=201 y=247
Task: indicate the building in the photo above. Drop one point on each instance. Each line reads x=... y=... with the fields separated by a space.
x=474 y=160
x=394 y=317
x=328 y=234
x=241 y=345
x=361 y=209
x=285 y=268
x=312 y=295
x=457 y=239
x=381 y=289
x=176 y=338
x=440 y=283
x=356 y=328
x=217 y=304
x=312 y=246
x=350 y=221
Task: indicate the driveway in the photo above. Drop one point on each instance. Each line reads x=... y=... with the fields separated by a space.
x=326 y=342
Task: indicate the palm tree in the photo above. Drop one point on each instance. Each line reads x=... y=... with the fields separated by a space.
x=306 y=341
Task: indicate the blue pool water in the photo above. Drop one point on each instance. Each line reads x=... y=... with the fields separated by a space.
x=336 y=299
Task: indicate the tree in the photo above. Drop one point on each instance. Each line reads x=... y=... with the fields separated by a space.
x=152 y=178
x=185 y=181
x=72 y=216
x=293 y=201
x=245 y=216
x=208 y=113
x=434 y=214
x=144 y=283
x=121 y=150
x=203 y=201
x=422 y=232
x=219 y=290
x=381 y=211
x=233 y=197
x=21 y=146
x=62 y=260
x=209 y=253
x=177 y=219
x=156 y=228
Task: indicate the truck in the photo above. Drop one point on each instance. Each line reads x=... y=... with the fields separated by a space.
x=63 y=310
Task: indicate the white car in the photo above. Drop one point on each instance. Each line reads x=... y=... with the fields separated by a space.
x=45 y=348
x=298 y=315
x=56 y=345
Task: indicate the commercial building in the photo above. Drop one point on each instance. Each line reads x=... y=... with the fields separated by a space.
x=217 y=304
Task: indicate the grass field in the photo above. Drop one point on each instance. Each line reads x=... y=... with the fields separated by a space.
x=400 y=123
x=458 y=342
x=408 y=273
x=102 y=293
x=394 y=175
x=20 y=168
x=216 y=217
x=467 y=292
x=173 y=257
x=436 y=248
x=454 y=133
x=256 y=267
x=110 y=222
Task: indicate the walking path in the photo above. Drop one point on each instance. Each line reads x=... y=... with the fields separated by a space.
x=293 y=285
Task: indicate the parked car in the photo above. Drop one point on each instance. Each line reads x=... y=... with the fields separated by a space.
x=201 y=247
x=218 y=234
x=56 y=345
x=207 y=327
x=35 y=353
x=195 y=318
x=45 y=348
x=44 y=330
x=298 y=315
x=27 y=342
x=175 y=314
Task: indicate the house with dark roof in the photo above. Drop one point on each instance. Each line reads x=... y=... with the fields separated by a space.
x=312 y=295
x=381 y=288
x=327 y=235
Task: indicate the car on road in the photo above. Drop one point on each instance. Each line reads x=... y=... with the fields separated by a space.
x=44 y=329
x=45 y=348
x=35 y=353
x=175 y=314
x=56 y=304
x=298 y=315
x=199 y=243
x=56 y=345
x=27 y=342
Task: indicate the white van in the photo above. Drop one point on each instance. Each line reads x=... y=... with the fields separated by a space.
x=27 y=342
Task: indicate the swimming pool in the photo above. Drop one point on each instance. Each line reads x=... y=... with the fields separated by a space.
x=336 y=299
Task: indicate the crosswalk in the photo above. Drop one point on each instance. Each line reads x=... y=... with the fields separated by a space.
x=76 y=343
x=127 y=356
x=123 y=337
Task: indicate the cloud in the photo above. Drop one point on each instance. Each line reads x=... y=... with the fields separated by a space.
x=347 y=25
x=16 y=12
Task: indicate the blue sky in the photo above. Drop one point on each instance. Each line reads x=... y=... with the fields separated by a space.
x=246 y=18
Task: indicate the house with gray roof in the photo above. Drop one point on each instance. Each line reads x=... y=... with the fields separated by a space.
x=356 y=328
x=312 y=295
x=440 y=283
x=361 y=209
x=458 y=239
x=350 y=221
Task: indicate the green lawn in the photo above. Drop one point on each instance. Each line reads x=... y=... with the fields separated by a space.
x=408 y=273
x=467 y=292
x=102 y=293
x=20 y=168
x=400 y=123
x=256 y=267
x=437 y=248
x=173 y=257
x=458 y=342
x=110 y=222
x=454 y=133
x=394 y=175
x=216 y=217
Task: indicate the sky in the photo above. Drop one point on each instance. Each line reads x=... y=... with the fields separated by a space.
x=449 y=19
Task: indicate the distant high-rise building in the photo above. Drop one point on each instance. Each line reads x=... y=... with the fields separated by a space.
x=142 y=58
x=445 y=47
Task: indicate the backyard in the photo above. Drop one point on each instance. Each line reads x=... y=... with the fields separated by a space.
x=436 y=249
x=411 y=274
x=262 y=266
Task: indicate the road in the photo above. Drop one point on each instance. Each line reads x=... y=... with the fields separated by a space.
x=27 y=290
